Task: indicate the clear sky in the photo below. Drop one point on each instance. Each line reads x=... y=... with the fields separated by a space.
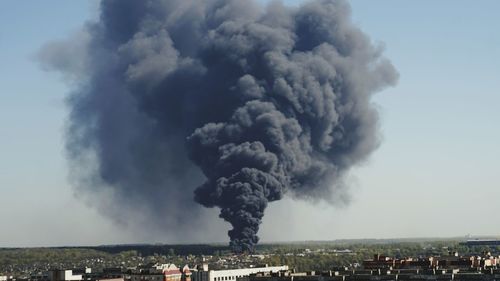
x=436 y=173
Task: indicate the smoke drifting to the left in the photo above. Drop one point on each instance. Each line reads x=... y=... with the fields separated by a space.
x=225 y=102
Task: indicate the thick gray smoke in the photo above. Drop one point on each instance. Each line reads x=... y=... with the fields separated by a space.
x=262 y=101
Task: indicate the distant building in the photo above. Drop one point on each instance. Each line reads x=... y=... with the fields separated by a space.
x=450 y=261
x=111 y=273
x=147 y=276
x=203 y=274
x=186 y=273
x=171 y=273
x=161 y=272
x=379 y=275
x=67 y=275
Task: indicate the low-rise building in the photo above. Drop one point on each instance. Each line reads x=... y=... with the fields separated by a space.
x=171 y=272
x=203 y=274
x=161 y=272
x=147 y=275
x=66 y=275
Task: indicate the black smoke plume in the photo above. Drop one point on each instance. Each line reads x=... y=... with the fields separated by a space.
x=264 y=101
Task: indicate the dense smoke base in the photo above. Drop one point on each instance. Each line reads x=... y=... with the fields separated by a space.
x=263 y=101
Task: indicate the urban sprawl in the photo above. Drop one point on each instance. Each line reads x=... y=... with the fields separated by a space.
x=444 y=267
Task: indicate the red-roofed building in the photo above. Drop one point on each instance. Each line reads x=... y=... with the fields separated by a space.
x=171 y=272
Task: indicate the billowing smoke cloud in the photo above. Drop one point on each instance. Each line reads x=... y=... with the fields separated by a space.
x=263 y=101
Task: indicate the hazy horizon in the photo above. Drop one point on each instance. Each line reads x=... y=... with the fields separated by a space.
x=285 y=242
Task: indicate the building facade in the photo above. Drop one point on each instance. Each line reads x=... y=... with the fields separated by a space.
x=232 y=274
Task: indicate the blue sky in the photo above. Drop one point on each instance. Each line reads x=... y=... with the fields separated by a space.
x=436 y=173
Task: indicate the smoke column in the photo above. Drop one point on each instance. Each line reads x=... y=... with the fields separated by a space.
x=239 y=103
